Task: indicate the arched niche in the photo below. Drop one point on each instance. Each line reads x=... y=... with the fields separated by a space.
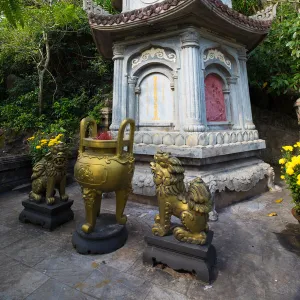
x=154 y=96
x=215 y=99
x=217 y=95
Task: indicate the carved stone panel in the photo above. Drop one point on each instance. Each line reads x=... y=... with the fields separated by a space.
x=156 y=100
x=214 y=98
x=154 y=53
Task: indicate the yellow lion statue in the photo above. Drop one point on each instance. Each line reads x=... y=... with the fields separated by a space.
x=49 y=173
x=191 y=206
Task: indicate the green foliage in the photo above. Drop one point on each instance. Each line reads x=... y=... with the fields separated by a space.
x=77 y=79
x=247 y=7
x=21 y=115
x=275 y=65
x=12 y=10
x=107 y=5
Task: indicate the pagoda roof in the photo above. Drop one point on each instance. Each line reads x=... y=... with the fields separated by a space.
x=213 y=15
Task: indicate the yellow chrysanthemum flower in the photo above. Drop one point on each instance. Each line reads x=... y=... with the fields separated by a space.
x=282 y=161
x=38 y=147
x=31 y=138
x=282 y=177
x=44 y=141
x=290 y=171
x=287 y=148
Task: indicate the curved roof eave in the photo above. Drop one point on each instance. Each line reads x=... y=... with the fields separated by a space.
x=212 y=14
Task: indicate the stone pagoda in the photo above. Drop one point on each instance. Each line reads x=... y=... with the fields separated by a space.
x=180 y=72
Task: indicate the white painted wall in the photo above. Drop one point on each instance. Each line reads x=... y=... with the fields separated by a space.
x=135 y=4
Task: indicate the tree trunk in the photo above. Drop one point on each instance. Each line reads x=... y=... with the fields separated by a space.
x=41 y=74
x=42 y=67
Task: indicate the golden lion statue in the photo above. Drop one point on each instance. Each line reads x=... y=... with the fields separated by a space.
x=191 y=206
x=49 y=173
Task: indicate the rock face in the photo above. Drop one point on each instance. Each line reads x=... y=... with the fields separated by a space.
x=277 y=130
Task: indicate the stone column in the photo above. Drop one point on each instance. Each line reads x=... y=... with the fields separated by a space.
x=118 y=105
x=174 y=87
x=137 y=91
x=132 y=80
x=191 y=82
x=245 y=95
x=236 y=111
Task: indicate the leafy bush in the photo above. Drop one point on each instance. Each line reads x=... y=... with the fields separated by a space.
x=21 y=115
x=275 y=65
x=248 y=7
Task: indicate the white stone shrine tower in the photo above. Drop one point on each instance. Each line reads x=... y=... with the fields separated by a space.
x=180 y=72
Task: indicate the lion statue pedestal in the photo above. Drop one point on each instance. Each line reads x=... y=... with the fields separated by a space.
x=43 y=208
x=190 y=245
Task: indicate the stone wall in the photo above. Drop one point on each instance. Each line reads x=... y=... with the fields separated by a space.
x=16 y=170
x=277 y=130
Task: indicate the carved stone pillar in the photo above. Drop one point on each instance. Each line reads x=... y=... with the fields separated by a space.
x=132 y=80
x=236 y=110
x=191 y=81
x=245 y=95
x=119 y=108
x=174 y=87
x=137 y=91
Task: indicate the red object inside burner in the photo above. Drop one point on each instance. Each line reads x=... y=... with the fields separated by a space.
x=105 y=135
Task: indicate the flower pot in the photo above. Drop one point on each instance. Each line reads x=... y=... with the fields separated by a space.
x=104 y=166
x=295 y=214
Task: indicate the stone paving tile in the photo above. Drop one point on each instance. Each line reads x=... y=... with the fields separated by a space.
x=250 y=256
x=109 y=283
x=16 y=280
x=4 y=229
x=11 y=236
x=54 y=290
x=31 y=251
x=66 y=267
x=159 y=293
x=122 y=259
x=288 y=296
x=178 y=282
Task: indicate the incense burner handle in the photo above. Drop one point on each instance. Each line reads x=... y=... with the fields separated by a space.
x=120 y=141
x=84 y=124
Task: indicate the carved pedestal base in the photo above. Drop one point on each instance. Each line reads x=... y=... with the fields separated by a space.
x=47 y=216
x=182 y=256
x=108 y=236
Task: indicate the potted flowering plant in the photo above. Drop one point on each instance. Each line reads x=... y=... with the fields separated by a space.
x=2 y=138
x=290 y=173
x=41 y=143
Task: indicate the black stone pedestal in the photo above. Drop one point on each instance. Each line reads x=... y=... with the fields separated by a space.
x=48 y=216
x=108 y=236
x=182 y=256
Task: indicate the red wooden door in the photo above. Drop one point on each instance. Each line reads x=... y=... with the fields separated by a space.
x=214 y=98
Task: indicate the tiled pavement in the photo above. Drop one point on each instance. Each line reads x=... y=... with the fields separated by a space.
x=255 y=260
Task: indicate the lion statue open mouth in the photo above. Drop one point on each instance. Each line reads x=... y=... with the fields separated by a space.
x=49 y=173
x=191 y=206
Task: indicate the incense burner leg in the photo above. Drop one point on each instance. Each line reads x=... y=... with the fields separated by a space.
x=98 y=202
x=91 y=209
x=121 y=198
